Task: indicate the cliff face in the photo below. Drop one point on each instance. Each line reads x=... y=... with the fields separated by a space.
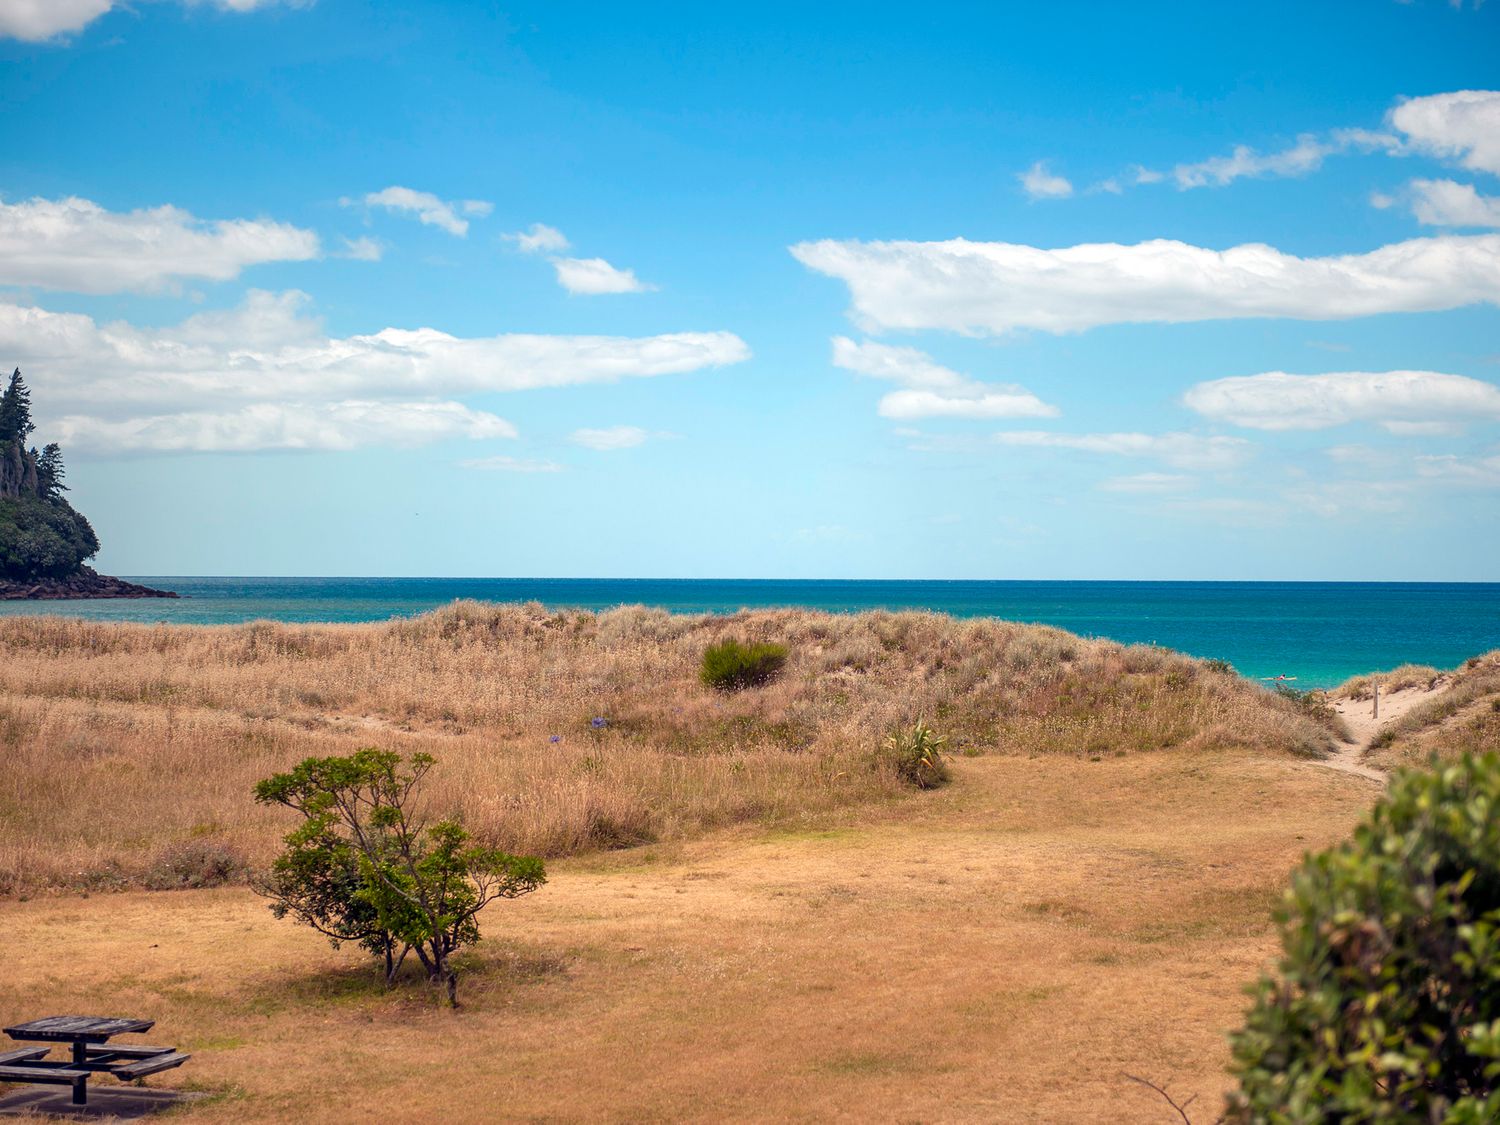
x=18 y=472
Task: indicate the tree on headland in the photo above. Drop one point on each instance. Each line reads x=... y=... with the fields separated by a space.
x=15 y=410
x=41 y=535
x=365 y=866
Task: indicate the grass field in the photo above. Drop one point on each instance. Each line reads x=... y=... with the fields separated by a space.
x=1004 y=949
x=748 y=915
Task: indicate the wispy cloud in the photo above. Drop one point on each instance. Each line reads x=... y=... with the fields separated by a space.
x=76 y=245
x=593 y=276
x=610 y=438
x=502 y=464
x=1039 y=183
x=990 y=288
x=1179 y=450
x=1403 y=401
x=427 y=208
x=932 y=390
x=538 y=238
x=117 y=383
x=579 y=276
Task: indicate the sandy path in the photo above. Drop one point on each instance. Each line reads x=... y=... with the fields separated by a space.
x=1359 y=716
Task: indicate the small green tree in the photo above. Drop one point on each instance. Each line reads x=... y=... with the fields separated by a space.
x=1386 y=1006
x=420 y=887
x=50 y=471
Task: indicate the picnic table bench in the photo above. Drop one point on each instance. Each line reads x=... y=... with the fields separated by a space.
x=89 y=1036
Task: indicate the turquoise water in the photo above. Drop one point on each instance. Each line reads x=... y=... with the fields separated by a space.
x=1319 y=632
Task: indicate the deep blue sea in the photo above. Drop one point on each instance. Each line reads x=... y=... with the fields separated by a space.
x=1319 y=632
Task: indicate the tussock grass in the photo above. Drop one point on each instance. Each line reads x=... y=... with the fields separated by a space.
x=122 y=740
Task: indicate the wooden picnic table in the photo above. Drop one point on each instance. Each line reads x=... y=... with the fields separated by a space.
x=86 y=1034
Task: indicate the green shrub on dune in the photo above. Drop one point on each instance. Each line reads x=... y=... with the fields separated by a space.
x=731 y=666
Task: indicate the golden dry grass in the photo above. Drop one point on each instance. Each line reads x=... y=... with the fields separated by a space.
x=123 y=741
x=1462 y=718
x=1004 y=949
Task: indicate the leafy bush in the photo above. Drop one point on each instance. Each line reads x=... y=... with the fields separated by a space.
x=43 y=538
x=1386 y=1006
x=916 y=755
x=192 y=864
x=365 y=866
x=731 y=666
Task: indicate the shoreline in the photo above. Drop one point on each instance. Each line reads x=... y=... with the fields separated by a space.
x=87 y=585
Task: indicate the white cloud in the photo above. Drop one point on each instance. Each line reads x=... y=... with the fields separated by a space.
x=38 y=20
x=1443 y=203
x=1278 y=401
x=931 y=390
x=981 y=288
x=511 y=465
x=283 y=426
x=75 y=245
x=1179 y=450
x=1146 y=483
x=428 y=208
x=595 y=275
x=538 y=238
x=1305 y=156
x=1464 y=124
x=1042 y=184
x=35 y=20
x=362 y=249
x=1479 y=472
x=609 y=439
x=269 y=352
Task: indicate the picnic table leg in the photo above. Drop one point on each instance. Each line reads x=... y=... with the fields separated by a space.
x=80 y=1085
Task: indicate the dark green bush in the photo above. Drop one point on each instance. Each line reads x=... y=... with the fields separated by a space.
x=730 y=666
x=1386 y=1005
x=43 y=538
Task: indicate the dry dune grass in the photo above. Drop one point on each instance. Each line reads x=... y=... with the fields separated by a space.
x=124 y=740
x=1464 y=717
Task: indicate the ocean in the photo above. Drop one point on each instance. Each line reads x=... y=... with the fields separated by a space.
x=1321 y=633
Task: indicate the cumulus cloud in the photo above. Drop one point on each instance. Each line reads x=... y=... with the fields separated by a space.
x=75 y=245
x=594 y=276
x=538 y=238
x=1179 y=450
x=269 y=351
x=503 y=464
x=989 y=288
x=610 y=438
x=362 y=249
x=1443 y=203
x=426 y=207
x=39 y=20
x=1464 y=124
x=1039 y=183
x=283 y=426
x=931 y=390
x=1403 y=401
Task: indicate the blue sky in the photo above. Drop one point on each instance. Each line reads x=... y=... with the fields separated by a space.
x=1078 y=290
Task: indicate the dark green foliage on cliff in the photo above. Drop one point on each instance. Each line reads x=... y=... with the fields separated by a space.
x=41 y=536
